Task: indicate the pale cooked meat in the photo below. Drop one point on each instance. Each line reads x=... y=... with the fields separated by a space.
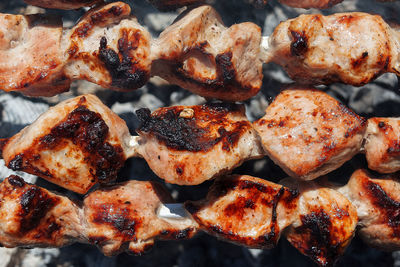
x=62 y=4
x=200 y=54
x=378 y=205
x=382 y=144
x=75 y=144
x=124 y=217
x=324 y=224
x=246 y=210
x=353 y=48
x=310 y=3
x=165 y=5
x=109 y=47
x=188 y=145
x=31 y=216
x=31 y=59
x=309 y=133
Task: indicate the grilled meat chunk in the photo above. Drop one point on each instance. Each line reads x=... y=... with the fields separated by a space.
x=200 y=54
x=62 y=4
x=29 y=64
x=382 y=146
x=190 y=144
x=378 y=205
x=125 y=218
x=166 y=5
x=311 y=3
x=246 y=210
x=75 y=144
x=353 y=48
x=309 y=133
x=324 y=224
x=31 y=216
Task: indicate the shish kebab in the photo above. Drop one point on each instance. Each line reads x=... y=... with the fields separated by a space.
x=318 y=218
x=81 y=142
x=197 y=52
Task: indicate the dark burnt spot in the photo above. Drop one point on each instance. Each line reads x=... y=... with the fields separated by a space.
x=180 y=133
x=238 y=206
x=179 y=169
x=177 y=234
x=225 y=68
x=97 y=240
x=35 y=204
x=389 y=208
x=121 y=219
x=16 y=163
x=16 y=181
x=356 y=63
x=382 y=125
x=299 y=45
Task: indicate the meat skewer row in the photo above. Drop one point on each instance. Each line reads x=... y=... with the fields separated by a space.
x=317 y=218
x=81 y=142
x=197 y=52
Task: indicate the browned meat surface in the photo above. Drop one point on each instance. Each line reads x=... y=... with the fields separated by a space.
x=311 y=3
x=199 y=53
x=382 y=145
x=309 y=133
x=246 y=210
x=190 y=144
x=378 y=205
x=31 y=216
x=353 y=48
x=75 y=144
x=29 y=64
x=324 y=224
x=62 y=4
x=125 y=218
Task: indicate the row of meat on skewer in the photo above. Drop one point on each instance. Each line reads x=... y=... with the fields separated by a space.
x=108 y=47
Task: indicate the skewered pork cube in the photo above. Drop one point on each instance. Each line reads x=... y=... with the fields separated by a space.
x=75 y=144
x=29 y=64
x=309 y=133
x=62 y=4
x=110 y=48
x=188 y=145
x=32 y=216
x=353 y=48
x=245 y=210
x=382 y=146
x=125 y=217
x=199 y=53
x=378 y=206
x=324 y=224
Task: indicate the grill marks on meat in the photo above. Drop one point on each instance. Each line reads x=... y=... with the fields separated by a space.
x=309 y=133
x=316 y=49
x=245 y=210
x=191 y=144
x=71 y=145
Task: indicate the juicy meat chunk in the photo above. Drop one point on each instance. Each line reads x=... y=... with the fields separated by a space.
x=382 y=145
x=309 y=133
x=378 y=205
x=29 y=64
x=324 y=224
x=353 y=48
x=31 y=216
x=75 y=144
x=311 y=3
x=62 y=4
x=188 y=145
x=246 y=210
x=124 y=217
x=200 y=54
x=110 y=48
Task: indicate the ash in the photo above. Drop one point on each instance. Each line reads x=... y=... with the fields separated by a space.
x=380 y=98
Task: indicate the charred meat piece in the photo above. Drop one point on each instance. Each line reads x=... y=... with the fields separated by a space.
x=382 y=146
x=190 y=144
x=246 y=210
x=378 y=205
x=31 y=216
x=309 y=133
x=75 y=144
x=353 y=48
x=62 y=4
x=29 y=64
x=324 y=224
x=124 y=217
x=200 y=54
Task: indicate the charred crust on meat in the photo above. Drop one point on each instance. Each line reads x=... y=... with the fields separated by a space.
x=225 y=68
x=97 y=240
x=356 y=63
x=180 y=133
x=298 y=46
x=177 y=234
x=16 y=163
x=16 y=181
